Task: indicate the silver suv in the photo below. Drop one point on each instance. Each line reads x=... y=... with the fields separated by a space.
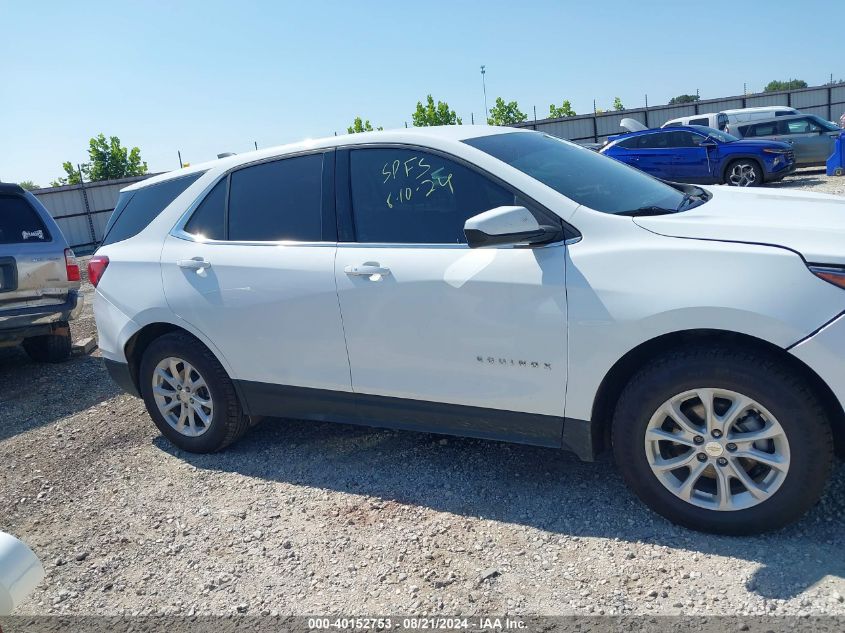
x=39 y=278
x=811 y=136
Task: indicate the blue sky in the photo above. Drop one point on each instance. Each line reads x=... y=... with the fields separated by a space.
x=207 y=77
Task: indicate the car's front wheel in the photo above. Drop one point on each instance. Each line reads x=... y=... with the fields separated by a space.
x=723 y=440
x=189 y=395
x=744 y=173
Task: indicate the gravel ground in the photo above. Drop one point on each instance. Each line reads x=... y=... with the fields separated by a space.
x=303 y=517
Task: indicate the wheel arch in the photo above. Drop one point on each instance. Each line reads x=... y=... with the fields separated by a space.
x=730 y=160
x=623 y=371
x=141 y=340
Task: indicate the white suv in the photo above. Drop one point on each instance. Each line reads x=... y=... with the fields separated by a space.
x=498 y=284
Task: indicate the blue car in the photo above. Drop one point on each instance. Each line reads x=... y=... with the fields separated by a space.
x=698 y=154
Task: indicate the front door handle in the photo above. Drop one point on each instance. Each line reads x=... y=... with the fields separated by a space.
x=195 y=263
x=373 y=271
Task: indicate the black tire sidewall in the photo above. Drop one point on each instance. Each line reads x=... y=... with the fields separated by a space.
x=49 y=348
x=809 y=444
x=185 y=348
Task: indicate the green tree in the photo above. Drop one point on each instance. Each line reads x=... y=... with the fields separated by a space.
x=565 y=109
x=71 y=176
x=431 y=114
x=28 y=185
x=361 y=126
x=789 y=84
x=684 y=99
x=108 y=161
x=505 y=113
x=617 y=104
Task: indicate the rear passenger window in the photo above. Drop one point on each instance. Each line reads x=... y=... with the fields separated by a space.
x=276 y=201
x=208 y=218
x=143 y=207
x=659 y=140
x=409 y=197
x=705 y=121
x=19 y=222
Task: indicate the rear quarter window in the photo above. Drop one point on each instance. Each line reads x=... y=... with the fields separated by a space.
x=136 y=209
x=20 y=223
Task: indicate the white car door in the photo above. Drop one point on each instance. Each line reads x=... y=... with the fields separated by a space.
x=261 y=286
x=429 y=319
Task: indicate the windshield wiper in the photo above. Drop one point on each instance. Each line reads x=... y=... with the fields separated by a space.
x=652 y=210
x=688 y=198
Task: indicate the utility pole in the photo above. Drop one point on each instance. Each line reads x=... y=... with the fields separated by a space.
x=256 y=143
x=484 y=87
x=179 y=153
x=646 y=101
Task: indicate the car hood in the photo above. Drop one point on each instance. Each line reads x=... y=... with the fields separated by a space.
x=811 y=224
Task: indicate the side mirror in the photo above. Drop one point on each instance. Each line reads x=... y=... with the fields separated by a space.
x=20 y=572
x=708 y=143
x=508 y=225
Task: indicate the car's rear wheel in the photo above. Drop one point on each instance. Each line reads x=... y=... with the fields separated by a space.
x=50 y=348
x=744 y=173
x=723 y=440
x=189 y=396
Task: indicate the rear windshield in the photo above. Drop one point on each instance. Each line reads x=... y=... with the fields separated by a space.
x=582 y=175
x=19 y=222
x=136 y=209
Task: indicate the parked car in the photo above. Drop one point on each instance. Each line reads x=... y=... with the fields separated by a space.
x=697 y=154
x=811 y=136
x=716 y=120
x=494 y=283
x=727 y=120
x=39 y=278
x=743 y=115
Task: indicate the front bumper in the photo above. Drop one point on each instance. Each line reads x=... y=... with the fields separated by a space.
x=824 y=353
x=19 y=323
x=781 y=171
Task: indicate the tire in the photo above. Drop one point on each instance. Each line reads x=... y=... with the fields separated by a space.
x=783 y=403
x=744 y=173
x=224 y=421
x=50 y=348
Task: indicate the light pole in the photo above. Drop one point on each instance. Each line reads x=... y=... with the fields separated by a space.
x=484 y=87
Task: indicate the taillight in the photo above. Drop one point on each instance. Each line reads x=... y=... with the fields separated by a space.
x=830 y=274
x=71 y=266
x=96 y=267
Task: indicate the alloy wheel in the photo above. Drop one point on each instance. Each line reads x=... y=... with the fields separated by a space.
x=743 y=175
x=717 y=449
x=182 y=396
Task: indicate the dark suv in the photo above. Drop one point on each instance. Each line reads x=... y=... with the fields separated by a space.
x=39 y=278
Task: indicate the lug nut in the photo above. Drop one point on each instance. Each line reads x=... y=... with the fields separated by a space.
x=722 y=461
x=698 y=439
x=192 y=401
x=179 y=387
x=702 y=457
x=717 y=433
x=731 y=446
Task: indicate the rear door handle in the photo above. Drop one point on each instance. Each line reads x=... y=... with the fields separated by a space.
x=195 y=263
x=366 y=270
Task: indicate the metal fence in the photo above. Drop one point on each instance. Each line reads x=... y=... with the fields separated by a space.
x=825 y=101
x=82 y=211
